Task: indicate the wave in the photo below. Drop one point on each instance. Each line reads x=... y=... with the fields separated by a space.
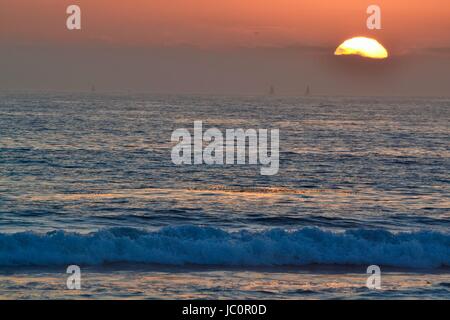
x=210 y=246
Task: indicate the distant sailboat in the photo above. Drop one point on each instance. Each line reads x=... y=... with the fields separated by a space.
x=272 y=91
x=308 y=91
x=93 y=89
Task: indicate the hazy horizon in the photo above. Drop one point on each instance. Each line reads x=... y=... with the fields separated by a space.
x=224 y=48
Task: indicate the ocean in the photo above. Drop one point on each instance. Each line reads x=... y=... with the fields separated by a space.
x=88 y=180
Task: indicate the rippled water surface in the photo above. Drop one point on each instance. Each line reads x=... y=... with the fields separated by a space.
x=370 y=175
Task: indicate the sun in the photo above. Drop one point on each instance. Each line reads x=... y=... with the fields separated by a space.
x=362 y=46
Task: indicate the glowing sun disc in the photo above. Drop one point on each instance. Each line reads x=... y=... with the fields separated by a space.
x=362 y=46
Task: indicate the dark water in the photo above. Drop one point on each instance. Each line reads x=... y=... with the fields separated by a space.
x=371 y=173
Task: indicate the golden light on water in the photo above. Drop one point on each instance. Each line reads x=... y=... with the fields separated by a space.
x=362 y=46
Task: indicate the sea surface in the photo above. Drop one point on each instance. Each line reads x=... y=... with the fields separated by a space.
x=87 y=179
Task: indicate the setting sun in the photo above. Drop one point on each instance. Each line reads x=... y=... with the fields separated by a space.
x=362 y=46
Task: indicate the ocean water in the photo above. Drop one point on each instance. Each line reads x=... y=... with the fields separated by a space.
x=88 y=180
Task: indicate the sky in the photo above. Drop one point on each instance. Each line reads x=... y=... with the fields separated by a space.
x=224 y=46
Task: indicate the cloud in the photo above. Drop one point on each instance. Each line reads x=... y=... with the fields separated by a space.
x=435 y=51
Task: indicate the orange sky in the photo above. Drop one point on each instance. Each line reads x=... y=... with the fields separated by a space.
x=407 y=24
x=224 y=46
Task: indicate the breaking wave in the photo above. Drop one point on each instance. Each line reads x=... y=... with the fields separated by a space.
x=211 y=246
